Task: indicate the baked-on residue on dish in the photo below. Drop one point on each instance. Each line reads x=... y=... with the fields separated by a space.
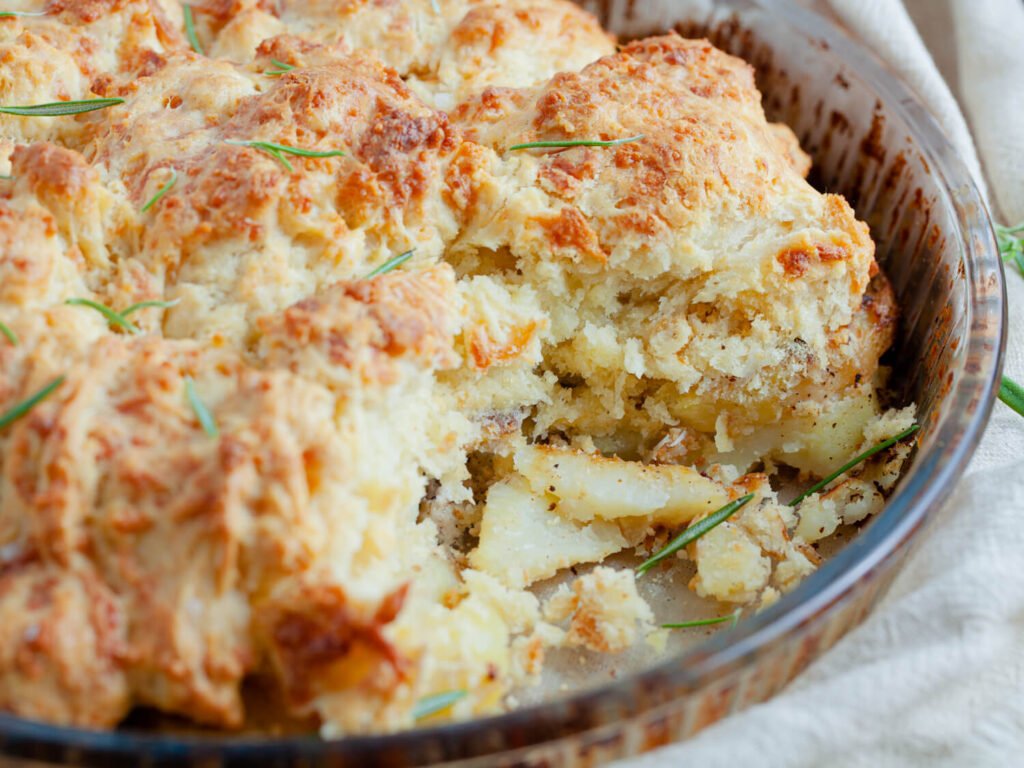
x=312 y=461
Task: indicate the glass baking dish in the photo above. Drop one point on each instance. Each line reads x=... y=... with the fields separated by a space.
x=873 y=142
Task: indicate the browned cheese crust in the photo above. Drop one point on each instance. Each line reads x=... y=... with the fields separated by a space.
x=699 y=250
x=342 y=473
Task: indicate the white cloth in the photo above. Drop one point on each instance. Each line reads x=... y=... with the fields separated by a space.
x=935 y=676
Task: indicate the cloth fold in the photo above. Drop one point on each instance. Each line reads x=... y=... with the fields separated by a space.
x=935 y=675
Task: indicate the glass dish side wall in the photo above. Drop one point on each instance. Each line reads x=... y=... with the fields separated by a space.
x=872 y=142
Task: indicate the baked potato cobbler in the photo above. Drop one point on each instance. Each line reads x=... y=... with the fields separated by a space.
x=310 y=372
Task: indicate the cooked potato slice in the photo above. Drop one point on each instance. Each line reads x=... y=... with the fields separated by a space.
x=517 y=520
x=815 y=439
x=586 y=487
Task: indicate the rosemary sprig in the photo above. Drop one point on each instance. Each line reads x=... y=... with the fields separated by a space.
x=120 y=319
x=694 y=532
x=190 y=30
x=6 y=177
x=29 y=403
x=574 y=143
x=9 y=14
x=281 y=68
x=60 y=108
x=732 y=617
x=206 y=419
x=1012 y=393
x=114 y=318
x=11 y=335
x=277 y=151
x=854 y=462
x=148 y=304
x=438 y=702
x=162 y=191
x=1011 y=245
x=392 y=263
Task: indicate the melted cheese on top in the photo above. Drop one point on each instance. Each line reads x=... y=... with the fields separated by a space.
x=295 y=462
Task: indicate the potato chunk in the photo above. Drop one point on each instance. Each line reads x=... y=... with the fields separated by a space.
x=586 y=487
x=517 y=520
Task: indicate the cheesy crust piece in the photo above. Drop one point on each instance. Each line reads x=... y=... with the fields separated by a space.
x=446 y=49
x=695 y=270
x=307 y=375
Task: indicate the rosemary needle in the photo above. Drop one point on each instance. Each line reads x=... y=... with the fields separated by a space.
x=392 y=263
x=694 y=532
x=202 y=412
x=281 y=68
x=438 y=702
x=1012 y=393
x=11 y=335
x=574 y=143
x=277 y=151
x=190 y=30
x=9 y=14
x=148 y=304
x=1011 y=245
x=60 y=108
x=732 y=617
x=162 y=191
x=854 y=462
x=114 y=318
x=120 y=319
x=28 y=404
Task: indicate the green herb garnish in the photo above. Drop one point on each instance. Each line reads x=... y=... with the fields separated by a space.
x=392 y=263
x=281 y=68
x=148 y=304
x=9 y=14
x=1012 y=393
x=277 y=151
x=120 y=319
x=574 y=143
x=694 y=532
x=438 y=702
x=854 y=462
x=6 y=177
x=190 y=30
x=27 y=405
x=162 y=191
x=114 y=318
x=1011 y=245
x=11 y=335
x=60 y=108
x=202 y=412
x=732 y=617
